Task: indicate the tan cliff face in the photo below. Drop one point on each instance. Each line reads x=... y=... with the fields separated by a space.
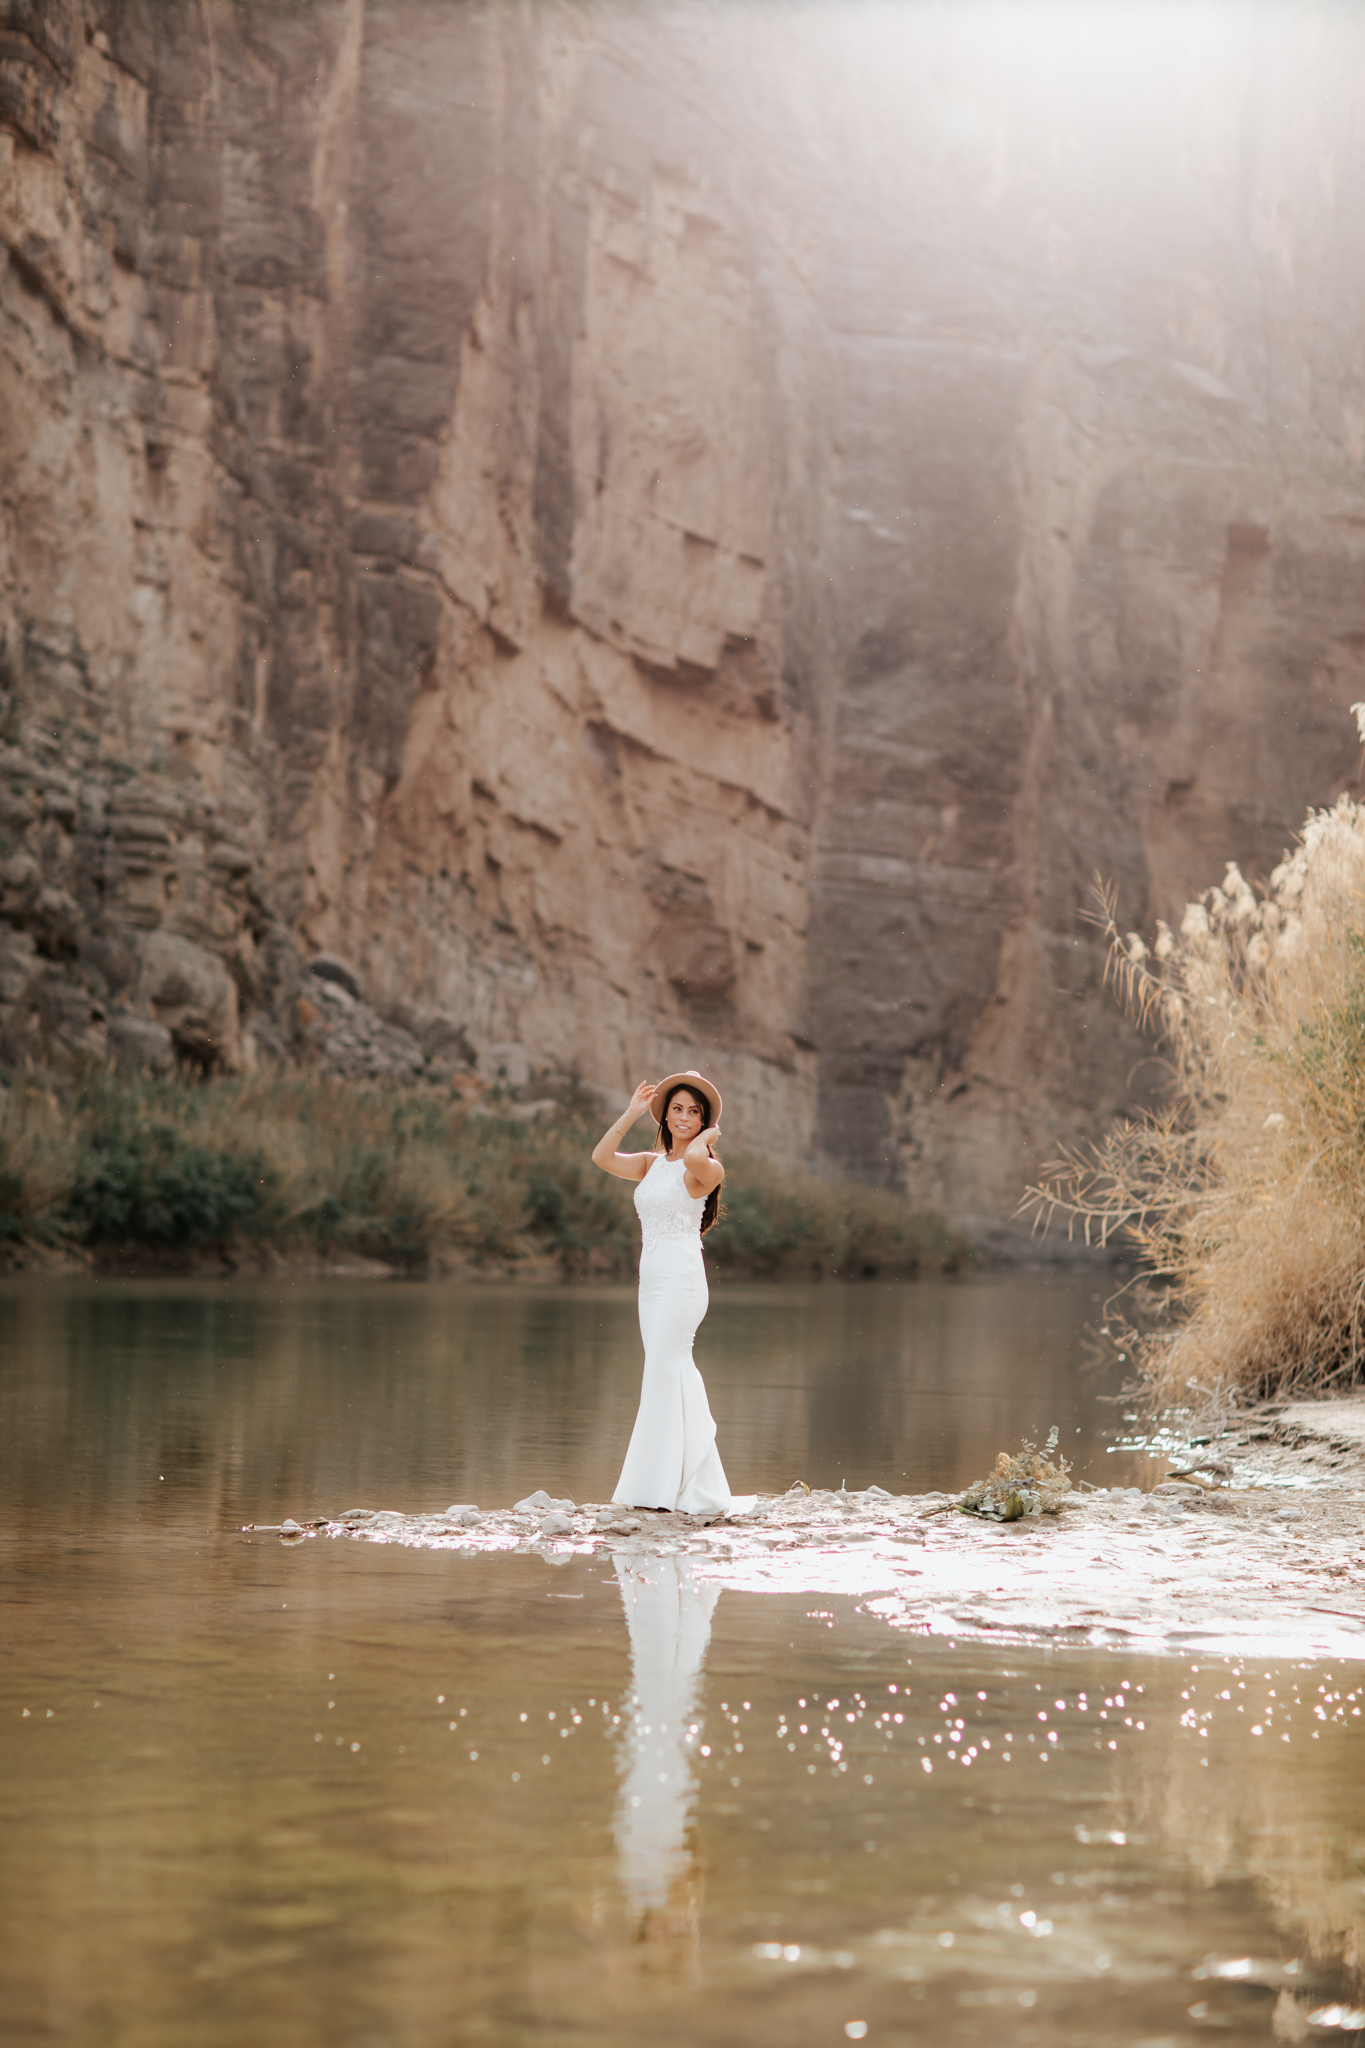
x=664 y=543
x=397 y=463
x=1101 y=579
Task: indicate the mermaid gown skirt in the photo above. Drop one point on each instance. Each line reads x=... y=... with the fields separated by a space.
x=672 y=1460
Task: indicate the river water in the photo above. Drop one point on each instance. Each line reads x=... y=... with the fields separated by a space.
x=376 y=1797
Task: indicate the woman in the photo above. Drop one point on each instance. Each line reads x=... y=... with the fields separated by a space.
x=672 y=1461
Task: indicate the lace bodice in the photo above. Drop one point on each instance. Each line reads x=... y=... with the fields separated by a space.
x=665 y=1207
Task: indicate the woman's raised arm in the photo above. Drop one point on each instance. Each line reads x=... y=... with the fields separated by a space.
x=701 y=1166
x=628 y=1165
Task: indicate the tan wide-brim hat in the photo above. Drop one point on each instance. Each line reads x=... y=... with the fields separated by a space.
x=694 y=1080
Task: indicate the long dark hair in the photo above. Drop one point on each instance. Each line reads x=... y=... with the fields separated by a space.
x=713 y=1213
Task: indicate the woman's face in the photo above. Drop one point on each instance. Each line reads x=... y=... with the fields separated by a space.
x=684 y=1117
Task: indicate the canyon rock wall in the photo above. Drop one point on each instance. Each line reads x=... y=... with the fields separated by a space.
x=1102 y=578
x=411 y=441
x=666 y=536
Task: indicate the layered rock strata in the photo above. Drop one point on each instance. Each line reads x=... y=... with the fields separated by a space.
x=137 y=930
x=665 y=538
x=396 y=446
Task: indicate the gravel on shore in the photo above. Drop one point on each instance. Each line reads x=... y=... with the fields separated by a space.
x=1262 y=1548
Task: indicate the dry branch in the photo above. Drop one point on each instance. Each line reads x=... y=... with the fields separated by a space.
x=1246 y=1194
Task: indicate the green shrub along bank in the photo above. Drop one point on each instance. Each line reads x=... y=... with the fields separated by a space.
x=303 y=1167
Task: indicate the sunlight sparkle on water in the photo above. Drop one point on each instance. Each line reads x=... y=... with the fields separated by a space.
x=812 y=1812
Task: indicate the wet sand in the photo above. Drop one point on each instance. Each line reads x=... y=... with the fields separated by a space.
x=1264 y=1549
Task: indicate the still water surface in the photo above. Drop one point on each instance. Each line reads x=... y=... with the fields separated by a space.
x=385 y=1798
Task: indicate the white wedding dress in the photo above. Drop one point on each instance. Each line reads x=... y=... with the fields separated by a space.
x=672 y=1461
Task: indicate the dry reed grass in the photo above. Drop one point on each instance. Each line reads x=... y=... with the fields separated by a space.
x=1246 y=1196
x=300 y=1165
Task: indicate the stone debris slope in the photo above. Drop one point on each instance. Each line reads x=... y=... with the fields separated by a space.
x=138 y=925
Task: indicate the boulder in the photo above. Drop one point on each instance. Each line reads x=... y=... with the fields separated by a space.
x=191 y=993
x=504 y=1064
x=335 y=993
x=360 y=1046
x=139 y=1046
x=69 y=1015
x=19 y=969
x=269 y=1043
x=55 y=921
x=443 y=1038
x=329 y=967
x=21 y=878
x=405 y=1015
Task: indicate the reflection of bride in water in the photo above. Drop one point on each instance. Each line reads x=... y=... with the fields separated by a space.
x=669 y=1617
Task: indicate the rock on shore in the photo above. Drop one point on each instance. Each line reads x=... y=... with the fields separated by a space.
x=1271 y=1555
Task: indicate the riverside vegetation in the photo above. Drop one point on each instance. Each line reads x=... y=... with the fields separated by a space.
x=1245 y=1196
x=306 y=1166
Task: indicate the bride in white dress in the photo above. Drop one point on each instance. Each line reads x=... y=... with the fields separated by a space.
x=672 y=1461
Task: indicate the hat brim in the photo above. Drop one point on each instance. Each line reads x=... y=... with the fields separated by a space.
x=697 y=1082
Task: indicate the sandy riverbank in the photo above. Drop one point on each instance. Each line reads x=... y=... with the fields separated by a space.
x=1267 y=1552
